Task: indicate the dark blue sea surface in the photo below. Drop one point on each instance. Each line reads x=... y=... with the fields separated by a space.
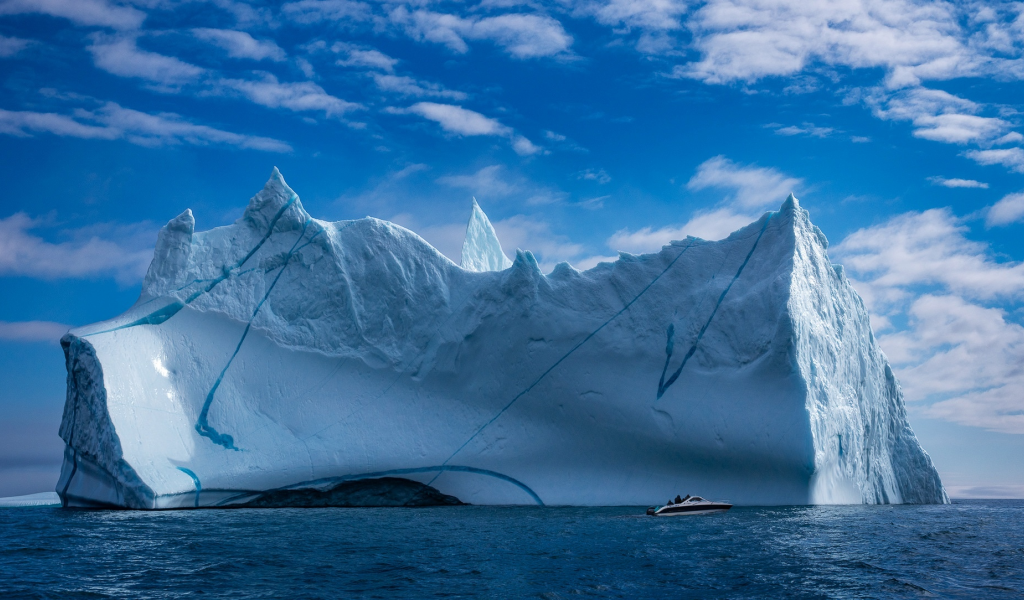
x=972 y=549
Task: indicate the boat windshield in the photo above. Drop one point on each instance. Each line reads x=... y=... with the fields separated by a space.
x=696 y=499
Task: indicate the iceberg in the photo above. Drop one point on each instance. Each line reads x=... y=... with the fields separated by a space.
x=287 y=361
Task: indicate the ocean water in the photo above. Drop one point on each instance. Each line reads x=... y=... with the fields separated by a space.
x=971 y=549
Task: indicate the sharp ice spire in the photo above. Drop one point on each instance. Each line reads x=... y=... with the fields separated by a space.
x=482 y=251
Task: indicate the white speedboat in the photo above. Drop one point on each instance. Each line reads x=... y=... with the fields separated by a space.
x=691 y=505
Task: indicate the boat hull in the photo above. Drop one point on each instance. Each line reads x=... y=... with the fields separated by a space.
x=680 y=511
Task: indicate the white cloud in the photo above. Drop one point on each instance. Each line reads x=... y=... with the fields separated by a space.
x=24 y=123
x=957 y=128
x=92 y=13
x=521 y=35
x=958 y=183
x=752 y=187
x=462 y=121
x=112 y=121
x=709 y=225
x=25 y=254
x=243 y=12
x=597 y=175
x=909 y=41
x=1010 y=209
x=32 y=331
x=962 y=329
x=408 y=170
x=644 y=240
x=809 y=129
x=716 y=224
x=168 y=128
x=527 y=233
x=594 y=203
x=926 y=249
x=360 y=56
x=121 y=56
x=524 y=147
x=589 y=262
x=458 y=120
x=407 y=86
x=9 y=46
x=240 y=44
x=937 y=115
x=488 y=182
x=440 y=28
x=746 y=40
x=958 y=354
x=654 y=19
x=641 y=14
x=749 y=191
x=1011 y=158
x=295 y=96
x=1011 y=138
x=306 y=67
x=446 y=238
x=495 y=181
x=970 y=352
x=562 y=142
x=313 y=11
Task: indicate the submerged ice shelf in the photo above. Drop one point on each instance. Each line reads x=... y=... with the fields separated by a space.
x=31 y=500
x=285 y=360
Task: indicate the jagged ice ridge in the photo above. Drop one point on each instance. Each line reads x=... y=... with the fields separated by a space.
x=286 y=357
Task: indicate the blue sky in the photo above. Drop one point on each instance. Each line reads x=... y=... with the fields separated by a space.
x=582 y=127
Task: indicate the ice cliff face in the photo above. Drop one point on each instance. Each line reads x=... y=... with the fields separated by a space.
x=283 y=358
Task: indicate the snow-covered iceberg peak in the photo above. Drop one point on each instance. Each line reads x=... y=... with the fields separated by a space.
x=173 y=248
x=283 y=360
x=275 y=203
x=482 y=251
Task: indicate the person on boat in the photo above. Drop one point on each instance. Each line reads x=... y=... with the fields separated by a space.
x=684 y=499
x=678 y=499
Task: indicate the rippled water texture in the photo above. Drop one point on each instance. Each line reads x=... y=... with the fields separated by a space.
x=967 y=550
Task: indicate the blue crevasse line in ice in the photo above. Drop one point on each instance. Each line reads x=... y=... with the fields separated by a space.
x=202 y=425
x=216 y=279
x=154 y=318
x=408 y=471
x=664 y=385
x=166 y=312
x=565 y=356
x=313 y=237
x=195 y=480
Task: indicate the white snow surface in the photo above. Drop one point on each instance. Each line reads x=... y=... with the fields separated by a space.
x=482 y=251
x=287 y=352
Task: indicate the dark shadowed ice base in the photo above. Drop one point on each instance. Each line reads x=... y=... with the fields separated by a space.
x=385 y=491
x=965 y=550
